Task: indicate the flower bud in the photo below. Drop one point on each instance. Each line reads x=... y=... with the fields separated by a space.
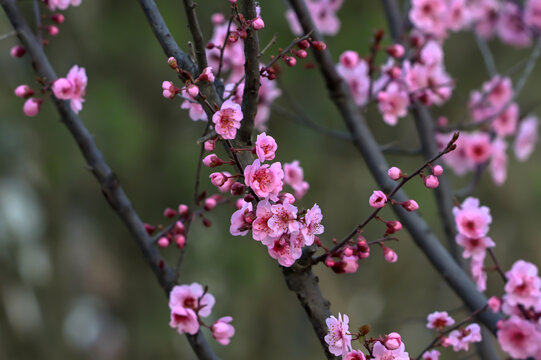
x=431 y=182
x=180 y=240
x=396 y=51
x=237 y=189
x=290 y=60
x=410 y=205
x=495 y=303
x=149 y=228
x=389 y=255
x=210 y=204
x=437 y=170
x=210 y=145
x=192 y=90
x=304 y=44
x=212 y=161
x=301 y=54
x=172 y=63
x=169 y=213
x=31 y=106
x=163 y=242
x=258 y=23
x=52 y=30
x=319 y=45
x=57 y=18
x=183 y=210
x=24 y=91
x=393 y=341
x=393 y=226
x=17 y=51
x=217 y=18
x=394 y=173
x=179 y=226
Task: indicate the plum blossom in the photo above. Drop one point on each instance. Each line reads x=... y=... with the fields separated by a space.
x=498 y=161
x=478 y=272
x=189 y=296
x=312 y=225
x=523 y=285
x=227 y=120
x=519 y=338
x=72 y=87
x=241 y=220
x=62 y=4
x=338 y=338
x=430 y=16
x=393 y=103
x=380 y=352
x=478 y=147
x=460 y=339
x=286 y=249
x=532 y=13
x=323 y=13
x=511 y=27
x=265 y=180
x=265 y=147
x=354 y=355
x=378 y=199
x=195 y=109
x=527 y=136
x=472 y=221
x=506 y=123
x=184 y=320
x=222 y=330
x=431 y=355
x=294 y=177
x=260 y=228
x=458 y=159
x=283 y=220
x=354 y=71
x=31 y=106
x=474 y=247
x=438 y=320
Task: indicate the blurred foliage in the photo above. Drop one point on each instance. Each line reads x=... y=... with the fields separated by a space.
x=73 y=284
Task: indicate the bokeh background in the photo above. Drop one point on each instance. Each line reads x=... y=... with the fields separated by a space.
x=73 y=284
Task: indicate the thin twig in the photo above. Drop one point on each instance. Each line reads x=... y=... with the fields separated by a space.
x=8 y=35
x=197 y=34
x=289 y=47
x=488 y=58
x=226 y=41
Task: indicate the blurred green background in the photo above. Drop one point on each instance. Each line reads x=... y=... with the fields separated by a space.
x=73 y=284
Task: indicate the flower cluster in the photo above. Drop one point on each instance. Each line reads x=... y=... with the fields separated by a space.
x=339 y=340
x=189 y=304
x=472 y=222
x=72 y=88
x=323 y=12
x=458 y=337
x=520 y=333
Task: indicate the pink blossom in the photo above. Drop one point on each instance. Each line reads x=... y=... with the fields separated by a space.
x=394 y=173
x=222 y=330
x=498 y=162
x=432 y=54
x=79 y=79
x=206 y=74
x=393 y=103
x=260 y=228
x=438 y=320
x=437 y=170
x=294 y=177
x=511 y=28
x=460 y=339
x=196 y=111
x=62 y=4
x=163 y=242
x=23 y=91
x=233 y=58
x=258 y=23
x=431 y=355
x=222 y=180
x=479 y=147
x=486 y=16
x=189 y=296
x=526 y=138
x=63 y=88
x=312 y=225
x=212 y=161
x=354 y=355
x=495 y=304
x=338 y=338
x=410 y=205
x=459 y=15
x=390 y=255
x=31 y=106
x=283 y=220
x=323 y=15
x=506 y=123
x=519 y=338
x=192 y=90
x=431 y=182
x=286 y=249
x=227 y=120
x=378 y=199
x=523 y=285
x=429 y=16
x=17 y=51
x=478 y=272
x=184 y=320
x=241 y=220
x=348 y=264
x=474 y=247
x=393 y=341
x=356 y=77
x=265 y=147
x=472 y=221
x=396 y=51
x=458 y=160
x=380 y=352
x=265 y=180
x=532 y=13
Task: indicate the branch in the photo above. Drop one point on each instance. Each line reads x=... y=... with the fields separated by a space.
x=366 y=144
x=108 y=181
x=392 y=11
x=197 y=35
x=490 y=64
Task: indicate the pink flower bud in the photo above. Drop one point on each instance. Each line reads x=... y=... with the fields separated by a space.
x=63 y=88
x=249 y=198
x=232 y=1
x=431 y=182
x=218 y=179
x=258 y=23
x=57 y=18
x=410 y=205
x=172 y=62
x=206 y=222
x=210 y=204
x=212 y=161
x=149 y=228
x=396 y=51
x=442 y=121
x=394 y=173
x=217 y=18
x=193 y=90
x=169 y=90
x=304 y=44
x=395 y=72
x=180 y=240
x=290 y=60
x=183 y=210
x=378 y=199
x=52 y=30
x=348 y=251
x=495 y=304
x=210 y=145
x=31 y=106
x=179 y=226
x=24 y=91
x=329 y=262
x=207 y=75
x=349 y=59
x=389 y=255
x=363 y=250
x=319 y=45
x=393 y=340
x=437 y=170
x=163 y=242
x=301 y=54
x=393 y=226
x=222 y=330
x=17 y=51
x=233 y=37
x=169 y=213
x=237 y=189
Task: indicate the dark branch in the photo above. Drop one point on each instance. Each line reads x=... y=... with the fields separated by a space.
x=197 y=35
